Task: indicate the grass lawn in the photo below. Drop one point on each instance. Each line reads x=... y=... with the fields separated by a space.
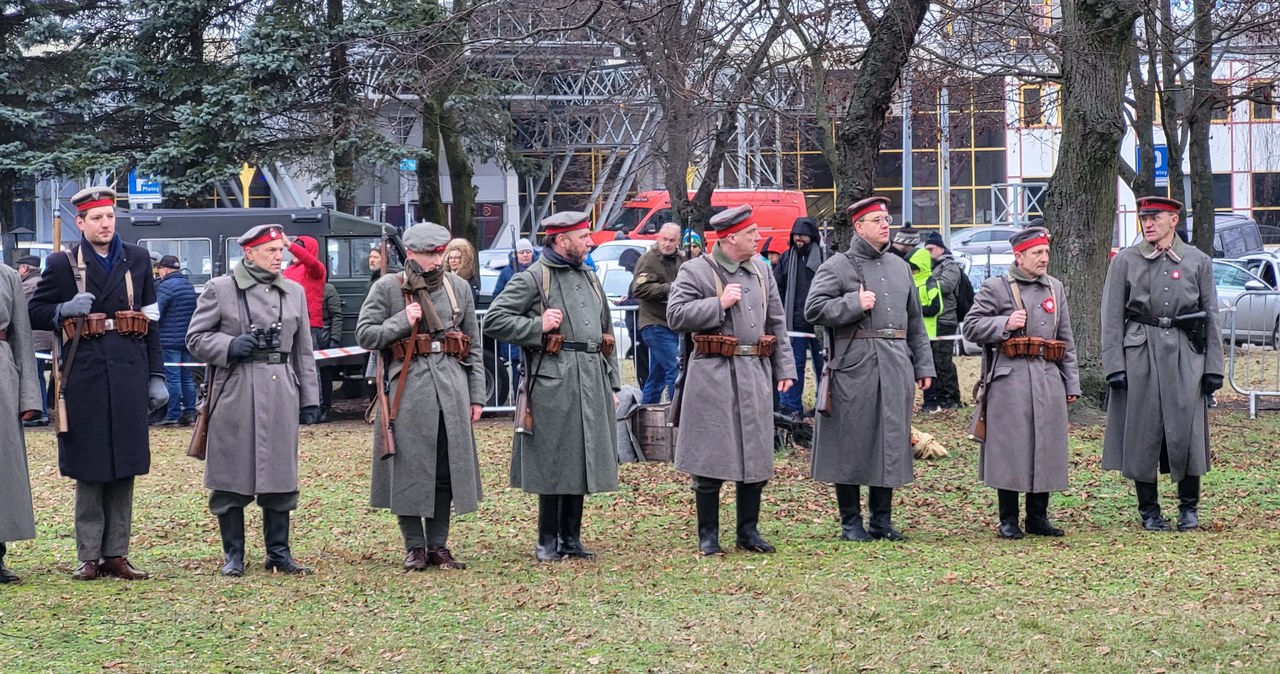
x=1107 y=598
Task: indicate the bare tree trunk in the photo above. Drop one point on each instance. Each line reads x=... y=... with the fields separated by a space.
x=858 y=136
x=1080 y=204
x=460 y=180
x=344 y=151
x=1198 y=123
x=1175 y=136
x=1143 y=180
x=430 y=198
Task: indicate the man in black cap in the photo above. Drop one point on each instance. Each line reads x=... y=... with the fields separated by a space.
x=100 y=297
x=1162 y=356
x=945 y=392
x=729 y=300
x=41 y=340
x=177 y=300
x=794 y=273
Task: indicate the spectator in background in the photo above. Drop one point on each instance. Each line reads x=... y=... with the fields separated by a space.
x=42 y=340
x=693 y=244
x=628 y=260
x=460 y=258
x=945 y=392
x=654 y=273
x=794 y=273
x=332 y=336
x=523 y=256
x=311 y=274
x=177 y=301
x=375 y=265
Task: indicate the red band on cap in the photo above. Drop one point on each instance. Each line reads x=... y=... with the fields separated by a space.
x=105 y=201
x=269 y=235
x=1031 y=243
x=1157 y=206
x=585 y=224
x=738 y=227
x=878 y=206
x=437 y=249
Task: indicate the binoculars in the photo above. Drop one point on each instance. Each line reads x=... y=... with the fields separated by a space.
x=267 y=338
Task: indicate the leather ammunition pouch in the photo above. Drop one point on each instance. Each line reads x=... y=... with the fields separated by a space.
x=729 y=347
x=1052 y=350
x=455 y=343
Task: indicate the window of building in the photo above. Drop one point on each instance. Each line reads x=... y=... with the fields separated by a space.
x=1221 y=110
x=1039 y=105
x=1222 y=191
x=1261 y=96
x=1266 y=198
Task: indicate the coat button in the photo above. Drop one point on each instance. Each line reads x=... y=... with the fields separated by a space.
x=273 y=377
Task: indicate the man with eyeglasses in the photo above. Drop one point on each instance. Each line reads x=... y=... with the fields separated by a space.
x=1162 y=356
x=877 y=348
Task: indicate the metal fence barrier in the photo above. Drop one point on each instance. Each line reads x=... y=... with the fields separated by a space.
x=1254 y=319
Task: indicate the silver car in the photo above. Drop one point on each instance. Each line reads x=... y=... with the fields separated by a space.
x=1252 y=302
x=978 y=240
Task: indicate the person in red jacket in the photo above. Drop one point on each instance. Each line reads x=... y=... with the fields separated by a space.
x=309 y=271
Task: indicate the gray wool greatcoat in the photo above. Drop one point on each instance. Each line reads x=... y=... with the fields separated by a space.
x=253 y=431
x=573 y=447
x=867 y=438
x=1164 y=404
x=19 y=392
x=726 y=406
x=1026 y=446
x=438 y=386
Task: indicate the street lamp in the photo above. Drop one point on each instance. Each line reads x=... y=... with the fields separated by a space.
x=22 y=235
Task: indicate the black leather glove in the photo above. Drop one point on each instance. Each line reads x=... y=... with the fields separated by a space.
x=241 y=347
x=80 y=305
x=1210 y=383
x=157 y=393
x=309 y=415
x=1118 y=380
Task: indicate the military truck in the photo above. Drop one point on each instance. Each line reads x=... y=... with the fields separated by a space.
x=204 y=241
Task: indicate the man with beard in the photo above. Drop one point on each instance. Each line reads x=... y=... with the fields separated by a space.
x=869 y=304
x=557 y=313
x=794 y=273
x=1162 y=356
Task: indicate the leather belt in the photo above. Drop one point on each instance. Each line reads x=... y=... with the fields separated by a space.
x=1158 y=322
x=748 y=350
x=586 y=347
x=425 y=346
x=885 y=333
x=270 y=357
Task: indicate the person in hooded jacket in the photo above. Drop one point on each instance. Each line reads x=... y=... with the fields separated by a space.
x=921 y=264
x=310 y=272
x=794 y=274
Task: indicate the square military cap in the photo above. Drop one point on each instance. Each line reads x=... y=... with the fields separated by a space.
x=426 y=237
x=566 y=221
x=1157 y=205
x=1028 y=238
x=260 y=235
x=93 y=197
x=732 y=220
x=868 y=206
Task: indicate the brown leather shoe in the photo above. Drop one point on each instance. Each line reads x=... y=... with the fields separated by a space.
x=416 y=560
x=442 y=558
x=121 y=568
x=87 y=571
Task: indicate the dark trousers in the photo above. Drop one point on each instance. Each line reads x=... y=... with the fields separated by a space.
x=180 y=381
x=42 y=369
x=222 y=502
x=433 y=532
x=801 y=349
x=945 y=391
x=104 y=519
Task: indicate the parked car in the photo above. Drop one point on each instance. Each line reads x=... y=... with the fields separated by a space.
x=1234 y=235
x=980 y=268
x=616 y=282
x=1257 y=317
x=993 y=239
x=611 y=251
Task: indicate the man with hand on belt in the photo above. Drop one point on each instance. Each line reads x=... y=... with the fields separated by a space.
x=557 y=312
x=1030 y=378
x=417 y=319
x=100 y=299
x=877 y=346
x=729 y=300
x=1162 y=356
x=252 y=327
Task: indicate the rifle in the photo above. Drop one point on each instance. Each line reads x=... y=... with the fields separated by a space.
x=673 y=413
x=386 y=427
x=59 y=399
x=524 y=410
x=199 y=444
x=978 y=429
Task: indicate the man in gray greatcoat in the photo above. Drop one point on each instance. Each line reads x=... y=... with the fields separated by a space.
x=42 y=340
x=19 y=402
x=1162 y=356
x=877 y=348
x=435 y=467
x=557 y=313
x=1029 y=383
x=726 y=402
x=252 y=327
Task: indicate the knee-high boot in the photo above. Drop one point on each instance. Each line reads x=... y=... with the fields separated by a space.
x=5 y=575
x=749 y=538
x=548 y=528
x=706 y=499
x=1008 y=507
x=231 y=526
x=880 y=502
x=1038 y=515
x=571 y=527
x=848 y=501
x=275 y=529
x=1149 y=506
x=1189 y=503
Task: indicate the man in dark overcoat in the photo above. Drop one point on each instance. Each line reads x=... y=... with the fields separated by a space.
x=1027 y=384
x=879 y=348
x=252 y=326
x=557 y=312
x=1162 y=356
x=99 y=298
x=726 y=413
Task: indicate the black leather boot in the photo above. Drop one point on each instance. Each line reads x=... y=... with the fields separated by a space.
x=749 y=518
x=706 y=499
x=1038 y=515
x=571 y=528
x=1007 y=503
x=880 y=503
x=6 y=576
x=231 y=526
x=1149 y=506
x=848 y=501
x=275 y=529
x=1189 y=503
x=548 y=528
